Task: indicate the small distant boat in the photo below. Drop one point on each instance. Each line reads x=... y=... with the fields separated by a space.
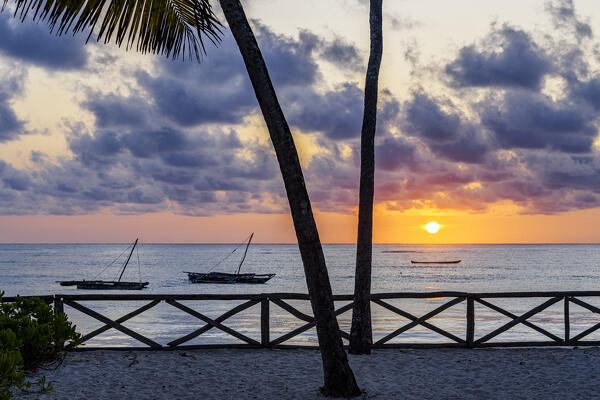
x=222 y=277
x=436 y=262
x=107 y=285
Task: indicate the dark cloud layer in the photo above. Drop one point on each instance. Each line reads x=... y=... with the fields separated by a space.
x=533 y=121
x=148 y=171
x=11 y=86
x=216 y=92
x=447 y=133
x=32 y=43
x=9 y=123
x=219 y=91
x=342 y=54
x=493 y=133
x=587 y=91
x=518 y=62
x=564 y=16
x=113 y=110
x=516 y=143
x=337 y=113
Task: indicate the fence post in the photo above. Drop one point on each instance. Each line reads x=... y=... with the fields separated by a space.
x=59 y=307
x=264 y=321
x=567 y=321
x=470 y=322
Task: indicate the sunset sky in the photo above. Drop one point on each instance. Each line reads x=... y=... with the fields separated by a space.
x=488 y=125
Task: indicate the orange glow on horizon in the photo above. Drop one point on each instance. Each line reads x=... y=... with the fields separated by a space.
x=390 y=227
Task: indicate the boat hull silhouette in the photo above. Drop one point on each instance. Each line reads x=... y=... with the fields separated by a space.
x=220 y=277
x=105 y=285
x=436 y=262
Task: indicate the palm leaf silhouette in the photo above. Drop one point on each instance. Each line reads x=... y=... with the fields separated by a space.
x=172 y=28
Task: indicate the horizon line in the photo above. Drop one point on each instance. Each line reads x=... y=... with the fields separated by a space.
x=324 y=243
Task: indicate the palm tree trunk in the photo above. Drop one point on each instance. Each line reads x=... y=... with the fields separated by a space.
x=338 y=377
x=361 y=336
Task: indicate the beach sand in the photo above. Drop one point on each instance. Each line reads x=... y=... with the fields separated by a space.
x=532 y=373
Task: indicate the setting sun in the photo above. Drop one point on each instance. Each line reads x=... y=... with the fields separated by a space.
x=432 y=227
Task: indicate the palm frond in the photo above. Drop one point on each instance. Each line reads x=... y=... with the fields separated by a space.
x=170 y=27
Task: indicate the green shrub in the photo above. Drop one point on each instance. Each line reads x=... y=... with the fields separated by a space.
x=31 y=334
x=11 y=363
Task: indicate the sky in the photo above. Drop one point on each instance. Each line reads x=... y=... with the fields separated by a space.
x=487 y=124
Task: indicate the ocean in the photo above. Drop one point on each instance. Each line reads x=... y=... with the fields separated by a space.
x=33 y=269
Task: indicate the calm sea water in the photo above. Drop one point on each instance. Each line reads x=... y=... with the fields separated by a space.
x=34 y=270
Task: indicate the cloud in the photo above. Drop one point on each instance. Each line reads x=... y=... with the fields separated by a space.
x=11 y=86
x=336 y=113
x=14 y=179
x=564 y=16
x=111 y=110
x=148 y=143
x=290 y=61
x=446 y=132
x=426 y=119
x=404 y=23
x=391 y=154
x=10 y=125
x=219 y=91
x=200 y=173
x=516 y=61
x=588 y=91
x=34 y=44
x=189 y=94
x=342 y=54
x=534 y=121
x=559 y=171
x=97 y=149
x=491 y=132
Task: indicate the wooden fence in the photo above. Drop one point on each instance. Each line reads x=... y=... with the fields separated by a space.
x=450 y=299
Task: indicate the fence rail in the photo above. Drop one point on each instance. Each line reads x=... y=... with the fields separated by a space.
x=281 y=300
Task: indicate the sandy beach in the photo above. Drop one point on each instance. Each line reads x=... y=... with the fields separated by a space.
x=561 y=373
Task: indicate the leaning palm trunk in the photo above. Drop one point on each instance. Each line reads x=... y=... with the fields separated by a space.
x=361 y=336
x=174 y=27
x=339 y=379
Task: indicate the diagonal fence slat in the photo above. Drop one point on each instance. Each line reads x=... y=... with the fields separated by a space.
x=585 y=333
x=212 y=322
x=518 y=320
x=524 y=322
x=301 y=316
x=306 y=327
x=414 y=318
x=590 y=308
x=585 y=305
x=113 y=324
x=124 y=318
x=209 y=326
x=420 y=320
x=292 y=310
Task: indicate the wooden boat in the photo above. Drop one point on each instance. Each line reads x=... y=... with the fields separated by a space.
x=109 y=285
x=436 y=262
x=222 y=277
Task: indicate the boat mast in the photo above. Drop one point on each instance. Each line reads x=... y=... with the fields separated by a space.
x=245 y=251
x=128 y=258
